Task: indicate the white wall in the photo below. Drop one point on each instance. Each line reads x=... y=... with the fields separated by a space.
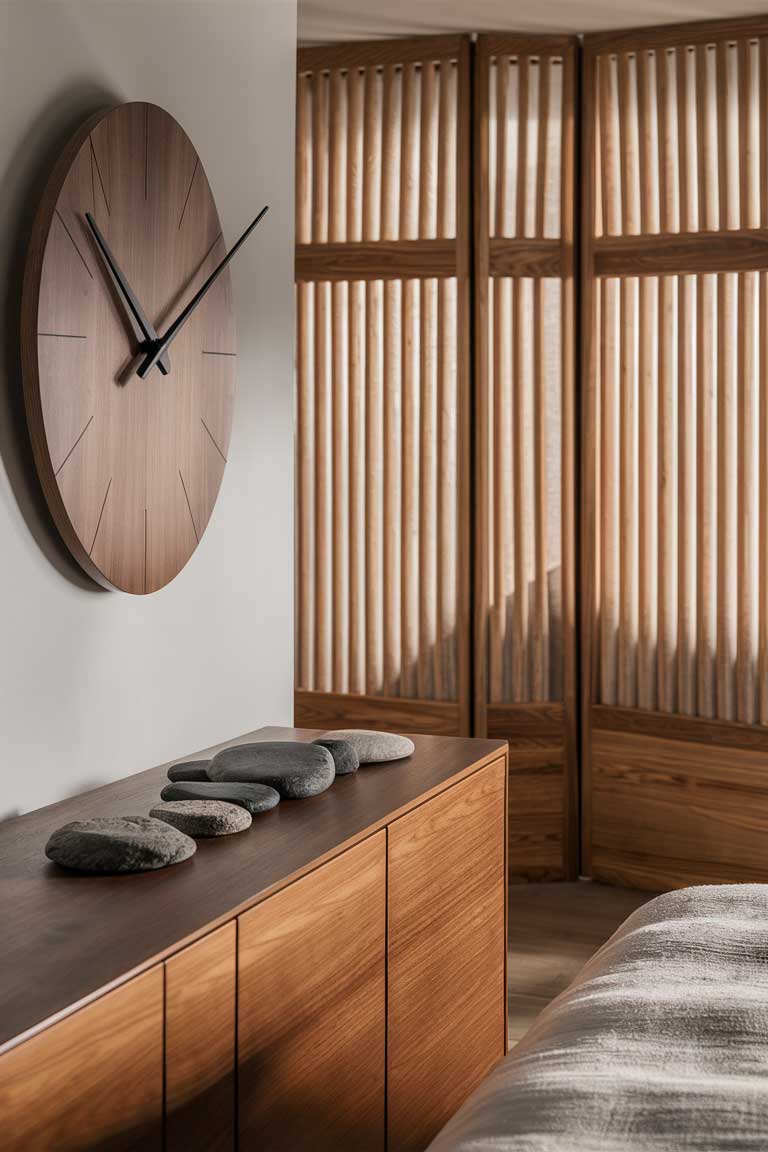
x=95 y=685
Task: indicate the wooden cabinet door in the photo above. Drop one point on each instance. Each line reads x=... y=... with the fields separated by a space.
x=311 y=1010
x=446 y=954
x=200 y=1045
x=94 y=1081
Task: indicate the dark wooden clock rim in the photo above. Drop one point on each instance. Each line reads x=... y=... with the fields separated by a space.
x=68 y=938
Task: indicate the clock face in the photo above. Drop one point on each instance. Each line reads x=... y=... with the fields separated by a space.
x=131 y=467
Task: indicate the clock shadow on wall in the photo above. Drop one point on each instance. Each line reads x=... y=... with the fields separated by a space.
x=43 y=144
x=128 y=354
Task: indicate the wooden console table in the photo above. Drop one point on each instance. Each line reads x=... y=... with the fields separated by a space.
x=333 y=978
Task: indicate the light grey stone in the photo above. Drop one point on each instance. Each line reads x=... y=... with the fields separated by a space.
x=296 y=770
x=203 y=818
x=373 y=747
x=254 y=798
x=345 y=759
x=118 y=844
x=189 y=770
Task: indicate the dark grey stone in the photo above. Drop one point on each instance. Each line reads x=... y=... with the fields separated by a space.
x=254 y=798
x=345 y=758
x=201 y=818
x=189 y=770
x=373 y=747
x=296 y=770
x=118 y=844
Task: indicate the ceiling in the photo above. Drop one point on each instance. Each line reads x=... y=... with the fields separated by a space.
x=330 y=20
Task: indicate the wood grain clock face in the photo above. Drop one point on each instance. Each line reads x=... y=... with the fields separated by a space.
x=131 y=467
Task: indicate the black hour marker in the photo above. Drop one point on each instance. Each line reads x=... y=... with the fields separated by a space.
x=207 y=353
x=74 y=446
x=95 y=160
x=103 y=506
x=189 y=506
x=63 y=335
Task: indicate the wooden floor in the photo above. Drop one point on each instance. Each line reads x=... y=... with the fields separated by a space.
x=553 y=930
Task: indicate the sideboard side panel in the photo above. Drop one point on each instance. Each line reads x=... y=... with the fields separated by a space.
x=446 y=954
x=311 y=1009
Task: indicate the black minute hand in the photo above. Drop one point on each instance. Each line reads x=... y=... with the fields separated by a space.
x=141 y=325
x=159 y=347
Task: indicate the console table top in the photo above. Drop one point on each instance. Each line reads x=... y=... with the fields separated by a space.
x=66 y=938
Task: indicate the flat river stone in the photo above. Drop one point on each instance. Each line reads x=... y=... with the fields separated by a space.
x=373 y=747
x=118 y=844
x=254 y=798
x=189 y=770
x=296 y=770
x=345 y=759
x=200 y=818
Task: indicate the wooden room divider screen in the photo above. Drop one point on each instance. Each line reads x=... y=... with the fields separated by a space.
x=675 y=497
x=525 y=604
x=382 y=265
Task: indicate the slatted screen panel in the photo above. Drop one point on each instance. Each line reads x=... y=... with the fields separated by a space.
x=525 y=608
x=382 y=350
x=676 y=441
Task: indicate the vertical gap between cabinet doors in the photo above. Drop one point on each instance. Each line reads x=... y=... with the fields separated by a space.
x=386 y=989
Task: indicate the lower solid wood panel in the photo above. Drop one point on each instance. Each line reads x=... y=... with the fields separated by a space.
x=311 y=1009
x=383 y=713
x=667 y=812
x=200 y=1045
x=538 y=805
x=94 y=1081
x=446 y=954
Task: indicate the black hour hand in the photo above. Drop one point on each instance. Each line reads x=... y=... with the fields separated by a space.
x=143 y=330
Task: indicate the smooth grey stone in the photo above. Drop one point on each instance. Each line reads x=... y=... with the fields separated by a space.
x=200 y=818
x=189 y=770
x=118 y=844
x=296 y=770
x=254 y=798
x=373 y=747
x=345 y=759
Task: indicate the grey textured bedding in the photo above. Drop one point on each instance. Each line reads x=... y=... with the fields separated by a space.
x=660 y=1044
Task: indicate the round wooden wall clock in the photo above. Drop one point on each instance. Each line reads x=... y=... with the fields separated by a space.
x=130 y=437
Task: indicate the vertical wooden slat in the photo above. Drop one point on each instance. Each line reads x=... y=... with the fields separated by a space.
x=668 y=507
x=390 y=153
x=523 y=83
x=355 y=153
x=337 y=148
x=323 y=490
x=340 y=481
x=748 y=417
x=446 y=157
x=392 y=486
x=726 y=492
x=357 y=541
x=372 y=155
x=305 y=485
x=374 y=413
x=683 y=143
x=706 y=451
x=521 y=408
x=428 y=174
x=410 y=486
x=646 y=141
x=428 y=492
x=409 y=158
x=721 y=91
x=303 y=159
x=763 y=478
x=609 y=451
x=744 y=137
x=687 y=423
x=320 y=157
x=763 y=121
x=627 y=480
x=447 y=504
x=540 y=619
x=648 y=495
x=702 y=140
x=541 y=149
x=502 y=134
x=663 y=141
